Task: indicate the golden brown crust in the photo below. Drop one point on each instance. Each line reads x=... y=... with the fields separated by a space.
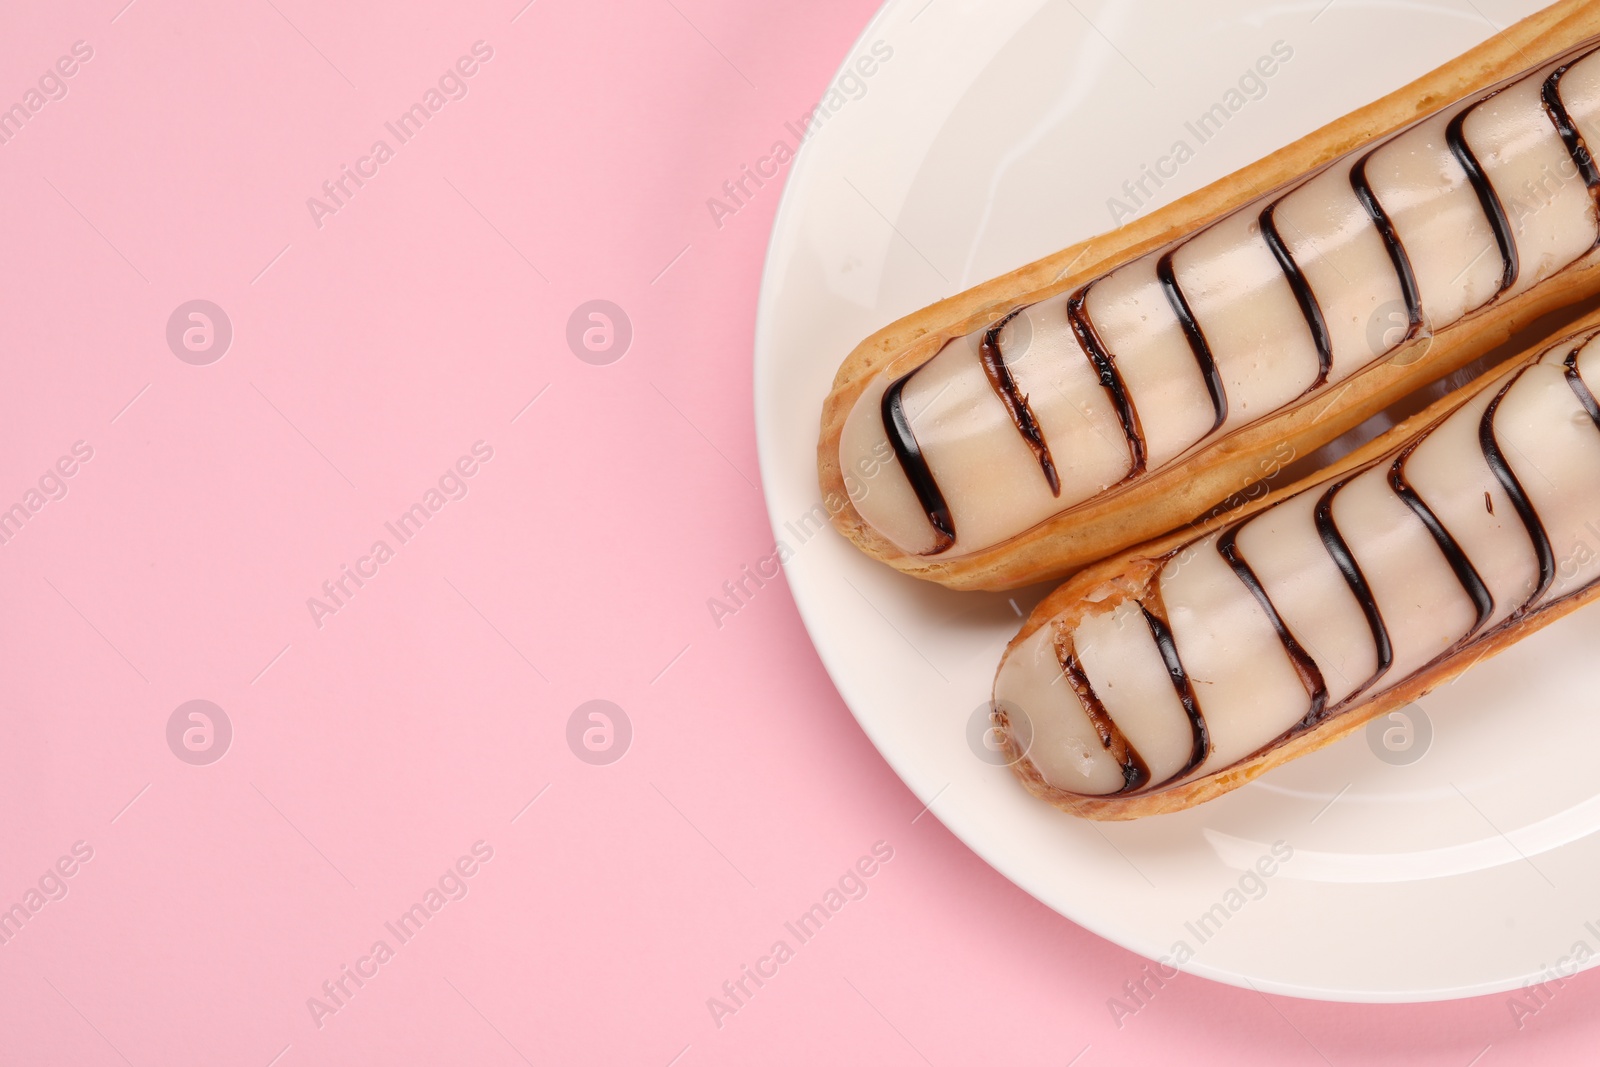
x=1173 y=495
x=1130 y=574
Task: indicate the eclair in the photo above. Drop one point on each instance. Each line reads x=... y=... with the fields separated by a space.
x=1097 y=398
x=1183 y=669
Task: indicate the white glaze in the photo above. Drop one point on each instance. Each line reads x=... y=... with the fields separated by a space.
x=1344 y=260
x=1545 y=199
x=1131 y=314
x=1248 y=691
x=1243 y=302
x=1064 y=740
x=1116 y=649
x=1241 y=298
x=1232 y=655
x=1439 y=220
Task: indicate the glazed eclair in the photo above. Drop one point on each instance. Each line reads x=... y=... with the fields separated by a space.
x=1177 y=672
x=1096 y=399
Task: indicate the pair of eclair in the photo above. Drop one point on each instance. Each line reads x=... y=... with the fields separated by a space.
x=1081 y=416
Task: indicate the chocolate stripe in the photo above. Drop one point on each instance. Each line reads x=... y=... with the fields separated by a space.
x=915 y=465
x=1333 y=541
x=1185 y=690
x=1304 y=665
x=1016 y=405
x=1135 y=774
x=1519 y=499
x=1309 y=307
x=1391 y=242
x=1197 y=339
x=1566 y=129
x=1110 y=379
x=1580 y=387
x=1493 y=210
x=1471 y=581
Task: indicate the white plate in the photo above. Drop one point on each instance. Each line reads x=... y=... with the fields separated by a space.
x=995 y=134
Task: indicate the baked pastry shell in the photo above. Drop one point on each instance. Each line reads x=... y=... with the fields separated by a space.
x=1158 y=501
x=1129 y=574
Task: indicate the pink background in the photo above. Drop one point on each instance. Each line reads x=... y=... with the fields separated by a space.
x=369 y=754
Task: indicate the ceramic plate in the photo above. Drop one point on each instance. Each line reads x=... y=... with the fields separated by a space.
x=1446 y=853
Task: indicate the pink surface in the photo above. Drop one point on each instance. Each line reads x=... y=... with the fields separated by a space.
x=389 y=743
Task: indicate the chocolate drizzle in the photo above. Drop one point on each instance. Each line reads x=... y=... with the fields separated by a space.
x=1381 y=221
x=1105 y=367
x=1567 y=130
x=1162 y=634
x=1493 y=210
x=1304 y=665
x=1135 y=774
x=1519 y=499
x=1471 y=581
x=1016 y=405
x=1333 y=541
x=1004 y=385
x=1309 y=307
x=1580 y=388
x=904 y=442
x=1339 y=551
x=1197 y=339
